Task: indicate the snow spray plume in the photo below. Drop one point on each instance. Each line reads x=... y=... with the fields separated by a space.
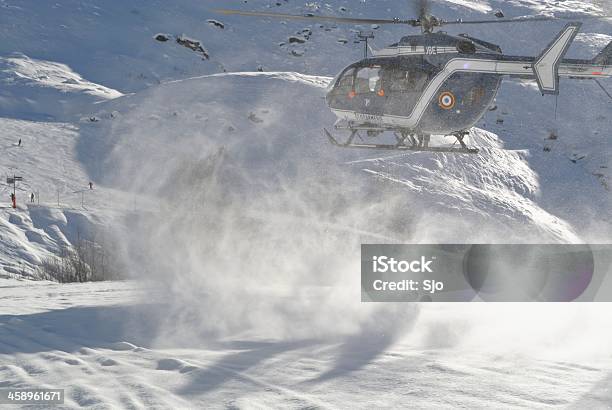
x=254 y=225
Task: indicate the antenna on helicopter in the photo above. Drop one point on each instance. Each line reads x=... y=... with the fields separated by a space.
x=364 y=36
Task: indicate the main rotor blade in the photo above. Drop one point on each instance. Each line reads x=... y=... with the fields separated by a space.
x=317 y=18
x=524 y=19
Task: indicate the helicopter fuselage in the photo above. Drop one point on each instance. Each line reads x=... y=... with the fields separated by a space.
x=442 y=84
x=390 y=92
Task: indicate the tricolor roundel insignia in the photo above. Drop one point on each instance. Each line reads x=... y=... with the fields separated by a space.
x=447 y=100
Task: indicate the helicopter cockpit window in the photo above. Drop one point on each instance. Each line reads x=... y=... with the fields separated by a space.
x=345 y=84
x=407 y=81
x=368 y=80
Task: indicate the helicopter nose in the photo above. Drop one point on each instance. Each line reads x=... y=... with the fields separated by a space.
x=329 y=97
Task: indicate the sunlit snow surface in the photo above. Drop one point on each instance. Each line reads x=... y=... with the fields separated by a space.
x=98 y=342
x=52 y=75
x=256 y=304
x=241 y=225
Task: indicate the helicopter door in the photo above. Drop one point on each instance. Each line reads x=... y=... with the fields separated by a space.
x=404 y=85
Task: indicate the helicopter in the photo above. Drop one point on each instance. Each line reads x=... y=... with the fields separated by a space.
x=438 y=84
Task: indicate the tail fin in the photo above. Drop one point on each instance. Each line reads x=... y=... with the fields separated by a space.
x=546 y=67
x=605 y=57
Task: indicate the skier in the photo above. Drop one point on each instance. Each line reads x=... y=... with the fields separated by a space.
x=32 y=198
x=90 y=185
x=19 y=143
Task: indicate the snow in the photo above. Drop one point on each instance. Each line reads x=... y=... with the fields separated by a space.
x=95 y=341
x=571 y=6
x=54 y=75
x=48 y=161
x=498 y=187
x=240 y=225
x=480 y=6
x=36 y=89
x=594 y=40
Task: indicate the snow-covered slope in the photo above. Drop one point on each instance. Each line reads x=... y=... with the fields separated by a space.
x=245 y=224
x=46 y=90
x=64 y=209
x=254 y=117
x=149 y=150
x=261 y=133
x=112 y=43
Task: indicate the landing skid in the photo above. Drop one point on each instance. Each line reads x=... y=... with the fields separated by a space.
x=405 y=142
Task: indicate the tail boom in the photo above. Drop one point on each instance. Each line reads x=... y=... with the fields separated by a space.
x=551 y=65
x=584 y=71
